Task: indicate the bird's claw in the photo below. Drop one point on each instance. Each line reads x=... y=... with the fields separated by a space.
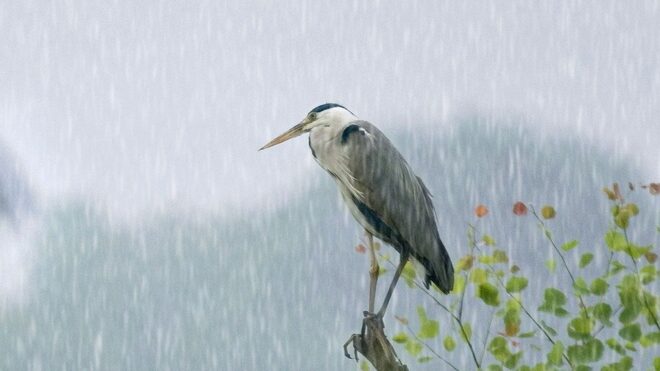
x=351 y=340
x=370 y=320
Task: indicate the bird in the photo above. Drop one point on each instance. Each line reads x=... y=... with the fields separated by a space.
x=381 y=191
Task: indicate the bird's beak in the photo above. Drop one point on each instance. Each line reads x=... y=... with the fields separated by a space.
x=291 y=133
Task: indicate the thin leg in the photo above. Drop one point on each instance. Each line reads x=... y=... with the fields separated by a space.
x=399 y=269
x=373 y=271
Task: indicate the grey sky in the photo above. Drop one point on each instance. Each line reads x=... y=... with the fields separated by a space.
x=143 y=105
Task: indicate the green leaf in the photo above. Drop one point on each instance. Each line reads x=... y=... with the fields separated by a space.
x=629 y=294
x=381 y=271
x=554 y=297
x=497 y=347
x=650 y=339
x=622 y=218
x=631 y=332
x=449 y=343
x=529 y=334
x=615 y=241
x=488 y=294
x=570 y=245
x=487 y=259
x=421 y=313
x=409 y=274
x=650 y=304
x=512 y=322
x=547 y=233
x=580 y=328
x=413 y=347
x=629 y=282
x=495 y=368
x=615 y=346
x=459 y=283
x=555 y=354
x=599 y=286
x=512 y=361
x=465 y=263
x=478 y=276
x=551 y=264
x=429 y=329
x=625 y=364
x=603 y=312
x=488 y=240
x=616 y=267
x=424 y=359
x=636 y=251
x=553 y=302
x=468 y=332
x=590 y=351
x=634 y=209
x=512 y=305
x=537 y=367
x=364 y=366
x=648 y=274
x=516 y=284
x=548 y=329
x=500 y=256
x=585 y=259
x=580 y=286
x=400 y=337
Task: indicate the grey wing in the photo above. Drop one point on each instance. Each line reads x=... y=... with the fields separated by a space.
x=395 y=200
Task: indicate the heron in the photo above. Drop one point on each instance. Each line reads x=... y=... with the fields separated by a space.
x=381 y=191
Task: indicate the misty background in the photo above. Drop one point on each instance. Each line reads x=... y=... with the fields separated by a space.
x=141 y=229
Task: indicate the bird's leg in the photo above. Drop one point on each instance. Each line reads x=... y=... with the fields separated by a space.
x=399 y=269
x=373 y=271
x=373 y=275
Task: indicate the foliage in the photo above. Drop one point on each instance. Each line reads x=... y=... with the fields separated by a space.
x=603 y=317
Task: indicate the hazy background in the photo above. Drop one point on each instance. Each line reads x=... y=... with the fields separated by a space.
x=140 y=227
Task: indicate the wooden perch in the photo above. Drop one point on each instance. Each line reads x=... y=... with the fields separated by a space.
x=374 y=346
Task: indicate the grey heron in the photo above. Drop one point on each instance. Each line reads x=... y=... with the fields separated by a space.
x=381 y=191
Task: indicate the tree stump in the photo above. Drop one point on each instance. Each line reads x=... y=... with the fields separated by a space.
x=374 y=346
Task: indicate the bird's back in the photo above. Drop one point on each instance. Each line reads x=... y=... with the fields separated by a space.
x=388 y=198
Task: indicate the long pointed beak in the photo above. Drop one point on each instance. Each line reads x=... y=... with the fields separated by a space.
x=291 y=133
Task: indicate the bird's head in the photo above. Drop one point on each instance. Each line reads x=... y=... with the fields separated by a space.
x=325 y=115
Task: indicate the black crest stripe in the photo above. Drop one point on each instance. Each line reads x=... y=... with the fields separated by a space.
x=326 y=106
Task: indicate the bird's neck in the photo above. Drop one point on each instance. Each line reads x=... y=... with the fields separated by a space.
x=325 y=132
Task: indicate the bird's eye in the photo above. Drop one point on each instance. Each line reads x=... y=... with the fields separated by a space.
x=312 y=116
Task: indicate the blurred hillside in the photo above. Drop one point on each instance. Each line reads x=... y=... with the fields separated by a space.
x=283 y=289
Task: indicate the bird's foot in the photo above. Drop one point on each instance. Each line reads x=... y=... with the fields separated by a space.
x=352 y=340
x=372 y=320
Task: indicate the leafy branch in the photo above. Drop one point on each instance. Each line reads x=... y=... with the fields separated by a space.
x=518 y=302
x=455 y=317
x=550 y=211
x=621 y=291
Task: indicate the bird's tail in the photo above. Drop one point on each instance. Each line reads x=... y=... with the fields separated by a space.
x=440 y=271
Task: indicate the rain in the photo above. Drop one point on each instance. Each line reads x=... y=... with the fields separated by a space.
x=141 y=229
